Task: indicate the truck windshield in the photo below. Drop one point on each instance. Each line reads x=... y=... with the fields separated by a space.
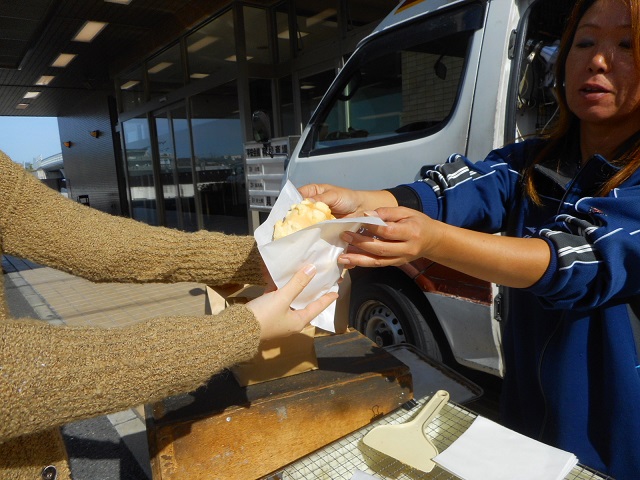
x=398 y=84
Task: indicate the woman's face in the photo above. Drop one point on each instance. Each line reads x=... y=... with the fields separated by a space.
x=602 y=81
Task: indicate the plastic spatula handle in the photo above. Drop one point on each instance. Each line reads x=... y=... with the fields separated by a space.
x=430 y=410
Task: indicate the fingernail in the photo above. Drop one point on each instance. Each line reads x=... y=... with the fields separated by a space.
x=371 y=213
x=343 y=260
x=347 y=237
x=310 y=269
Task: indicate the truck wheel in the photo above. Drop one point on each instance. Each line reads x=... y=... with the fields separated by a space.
x=388 y=317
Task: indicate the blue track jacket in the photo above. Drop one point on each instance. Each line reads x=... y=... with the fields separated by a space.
x=572 y=377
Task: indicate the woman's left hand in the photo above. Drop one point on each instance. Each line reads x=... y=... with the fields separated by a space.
x=408 y=235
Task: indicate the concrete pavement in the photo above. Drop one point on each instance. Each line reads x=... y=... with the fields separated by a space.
x=112 y=447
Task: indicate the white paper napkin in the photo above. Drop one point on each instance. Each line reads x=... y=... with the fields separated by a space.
x=319 y=244
x=360 y=475
x=489 y=450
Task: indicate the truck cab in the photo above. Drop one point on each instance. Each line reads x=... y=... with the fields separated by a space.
x=436 y=77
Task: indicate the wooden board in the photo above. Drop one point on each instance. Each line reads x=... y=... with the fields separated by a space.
x=229 y=432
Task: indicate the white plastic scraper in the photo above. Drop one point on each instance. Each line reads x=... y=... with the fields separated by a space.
x=407 y=442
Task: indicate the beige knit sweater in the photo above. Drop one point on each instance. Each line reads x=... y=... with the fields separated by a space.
x=52 y=375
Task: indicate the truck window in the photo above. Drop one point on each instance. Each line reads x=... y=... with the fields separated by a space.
x=400 y=84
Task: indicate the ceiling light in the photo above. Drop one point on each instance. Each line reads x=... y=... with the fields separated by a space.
x=121 y=2
x=319 y=17
x=63 y=59
x=233 y=58
x=199 y=75
x=31 y=94
x=22 y=106
x=45 y=80
x=285 y=34
x=89 y=31
x=129 y=84
x=159 y=67
x=200 y=44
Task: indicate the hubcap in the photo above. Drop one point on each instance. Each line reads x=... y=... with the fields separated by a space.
x=380 y=324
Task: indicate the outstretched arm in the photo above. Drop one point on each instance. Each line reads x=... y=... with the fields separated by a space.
x=508 y=261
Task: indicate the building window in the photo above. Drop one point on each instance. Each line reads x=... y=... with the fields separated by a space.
x=366 y=12
x=211 y=49
x=256 y=35
x=165 y=72
x=139 y=160
x=316 y=23
x=131 y=87
x=218 y=148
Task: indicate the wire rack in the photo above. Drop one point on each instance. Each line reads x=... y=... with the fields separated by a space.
x=342 y=458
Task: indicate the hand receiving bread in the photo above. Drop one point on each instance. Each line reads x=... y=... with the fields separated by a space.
x=302 y=215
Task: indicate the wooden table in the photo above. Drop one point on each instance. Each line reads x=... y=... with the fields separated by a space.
x=224 y=431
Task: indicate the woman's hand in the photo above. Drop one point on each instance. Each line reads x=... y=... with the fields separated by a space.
x=344 y=202
x=407 y=236
x=273 y=310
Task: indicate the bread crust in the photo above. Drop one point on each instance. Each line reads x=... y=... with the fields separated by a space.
x=302 y=215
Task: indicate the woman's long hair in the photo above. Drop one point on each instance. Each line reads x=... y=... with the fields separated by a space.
x=566 y=128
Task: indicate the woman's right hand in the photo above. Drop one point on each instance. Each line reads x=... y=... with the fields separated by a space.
x=273 y=310
x=345 y=202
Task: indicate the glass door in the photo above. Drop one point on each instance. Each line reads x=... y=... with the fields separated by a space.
x=140 y=170
x=176 y=173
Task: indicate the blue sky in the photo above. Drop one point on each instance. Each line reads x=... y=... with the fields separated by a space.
x=26 y=138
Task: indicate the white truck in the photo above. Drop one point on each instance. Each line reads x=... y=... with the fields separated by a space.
x=436 y=77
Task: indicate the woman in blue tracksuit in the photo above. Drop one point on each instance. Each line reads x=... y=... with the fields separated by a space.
x=570 y=205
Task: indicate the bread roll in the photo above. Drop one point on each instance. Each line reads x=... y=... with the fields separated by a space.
x=302 y=215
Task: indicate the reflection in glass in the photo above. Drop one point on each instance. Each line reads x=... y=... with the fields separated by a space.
x=131 y=87
x=218 y=149
x=366 y=12
x=282 y=32
x=287 y=114
x=140 y=170
x=312 y=89
x=175 y=170
x=211 y=49
x=165 y=72
x=257 y=42
x=316 y=22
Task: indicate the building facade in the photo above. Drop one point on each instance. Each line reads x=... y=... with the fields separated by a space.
x=166 y=147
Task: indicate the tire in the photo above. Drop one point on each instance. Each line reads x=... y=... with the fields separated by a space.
x=387 y=316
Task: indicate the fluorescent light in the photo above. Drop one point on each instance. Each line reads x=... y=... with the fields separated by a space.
x=285 y=34
x=31 y=94
x=307 y=87
x=159 y=67
x=89 y=31
x=63 y=60
x=233 y=58
x=45 y=80
x=200 y=44
x=121 y=2
x=319 y=17
x=22 y=106
x=199 y=75
x=129 y=84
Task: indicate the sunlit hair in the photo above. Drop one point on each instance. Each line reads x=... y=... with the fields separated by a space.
x=566 y=128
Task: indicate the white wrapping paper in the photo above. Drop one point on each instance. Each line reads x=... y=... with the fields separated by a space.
x=319 y=244
x=487 y=450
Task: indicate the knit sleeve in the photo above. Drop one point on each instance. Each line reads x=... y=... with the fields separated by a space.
x=41 y=225
x=52 y=375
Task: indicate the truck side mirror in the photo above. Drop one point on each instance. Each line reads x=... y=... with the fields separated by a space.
x=261 y=126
